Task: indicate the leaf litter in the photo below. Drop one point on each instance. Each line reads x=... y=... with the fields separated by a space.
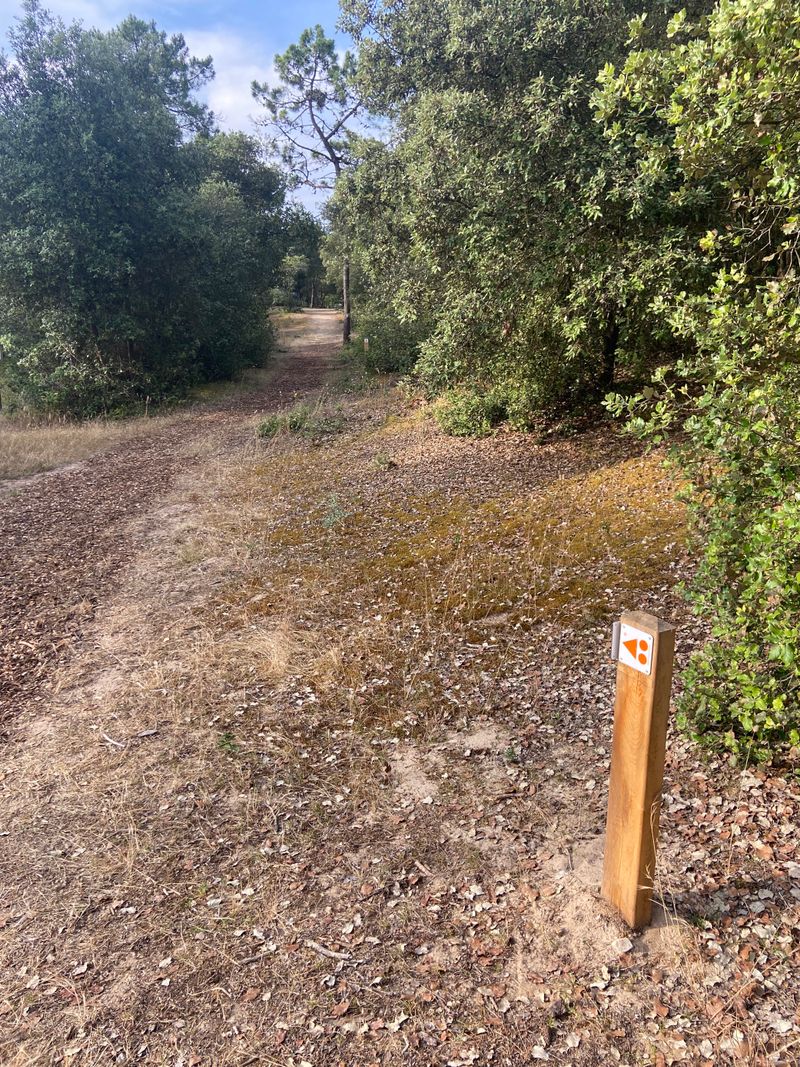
x=355 y=811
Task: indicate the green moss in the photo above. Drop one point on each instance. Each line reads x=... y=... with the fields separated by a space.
x=394 y=576
x=536 y=557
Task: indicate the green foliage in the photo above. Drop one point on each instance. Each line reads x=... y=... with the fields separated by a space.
x=292 y=273
x=302 y=270
x=572 y=195
x=335 y=514
x=467 y=413
x=136 y=244
x=311 y=113
x=305 y=420
x=724 y=99
x=311 y=107
x=228 y=744
x=392 y=345
x=500 y=219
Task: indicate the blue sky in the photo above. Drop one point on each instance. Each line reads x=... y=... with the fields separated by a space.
x=242 y=37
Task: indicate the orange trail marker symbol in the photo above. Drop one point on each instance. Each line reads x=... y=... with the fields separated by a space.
x=637 y=649
x=634 y=647
x=631 y=646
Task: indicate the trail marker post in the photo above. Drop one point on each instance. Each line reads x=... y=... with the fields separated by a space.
x=644 y=647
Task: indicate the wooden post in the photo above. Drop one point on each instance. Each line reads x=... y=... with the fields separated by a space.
x=646 y=647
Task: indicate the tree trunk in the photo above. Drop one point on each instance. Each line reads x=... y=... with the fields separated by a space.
x=606 y=380
x=346 y=302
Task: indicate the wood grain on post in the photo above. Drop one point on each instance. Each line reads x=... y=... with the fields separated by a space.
x=641 y=712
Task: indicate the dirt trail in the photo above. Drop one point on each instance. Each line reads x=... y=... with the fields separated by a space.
x=324 y=778
x=65 y=535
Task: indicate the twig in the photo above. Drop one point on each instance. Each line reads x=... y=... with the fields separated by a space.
x=111 y=741
x=252 y=959
x=327 y=951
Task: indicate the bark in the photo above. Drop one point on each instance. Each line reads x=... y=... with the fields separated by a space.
x=606 y=380
x=346 y=301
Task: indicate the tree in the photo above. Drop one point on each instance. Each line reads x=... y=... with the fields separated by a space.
x=110 y=257
x=312 y=112
x=723 y=101
x=233 y=214
x=371 y=206
x=527 y=253
x=304 y=237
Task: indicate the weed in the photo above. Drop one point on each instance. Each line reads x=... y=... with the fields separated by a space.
x=335 y=514
x=227 y=743
x=304 y=420
x=384 y=462
x=466 y=413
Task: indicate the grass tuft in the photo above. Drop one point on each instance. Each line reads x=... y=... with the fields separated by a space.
x=304 y=420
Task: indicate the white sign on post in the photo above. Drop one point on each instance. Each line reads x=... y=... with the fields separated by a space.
x=635 y=648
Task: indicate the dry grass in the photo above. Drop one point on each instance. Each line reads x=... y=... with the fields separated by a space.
x=306 y=799
x=30 y=446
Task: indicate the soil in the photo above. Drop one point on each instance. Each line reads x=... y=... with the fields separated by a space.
x=67 y=535
x=307 y=746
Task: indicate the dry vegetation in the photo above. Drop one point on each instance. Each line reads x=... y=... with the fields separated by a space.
x=30 y=446
x=327 y=785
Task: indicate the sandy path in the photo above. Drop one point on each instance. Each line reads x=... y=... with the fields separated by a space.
x=66 y=535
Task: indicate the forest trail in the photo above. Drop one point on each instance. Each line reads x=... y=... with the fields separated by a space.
x=66 y=534
x=318 y=774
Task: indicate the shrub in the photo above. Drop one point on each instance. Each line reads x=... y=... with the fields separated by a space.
x=466 y=413
x=728 y=97
x=305 y=420
x=393 y=344
x=285 y=298
x=741 y=458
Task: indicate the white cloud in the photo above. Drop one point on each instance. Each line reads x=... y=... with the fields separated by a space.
x=237 y=63
x=102 y=14
x=237 y=60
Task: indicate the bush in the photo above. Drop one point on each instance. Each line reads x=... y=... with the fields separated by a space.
x=393 y=345
x=742 y=686
x=466 y=413
x=734 y=417
x=285 y=298
x=731 y=406
x=304 y=420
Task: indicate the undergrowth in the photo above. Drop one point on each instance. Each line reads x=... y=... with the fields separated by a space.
x=305 y=420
